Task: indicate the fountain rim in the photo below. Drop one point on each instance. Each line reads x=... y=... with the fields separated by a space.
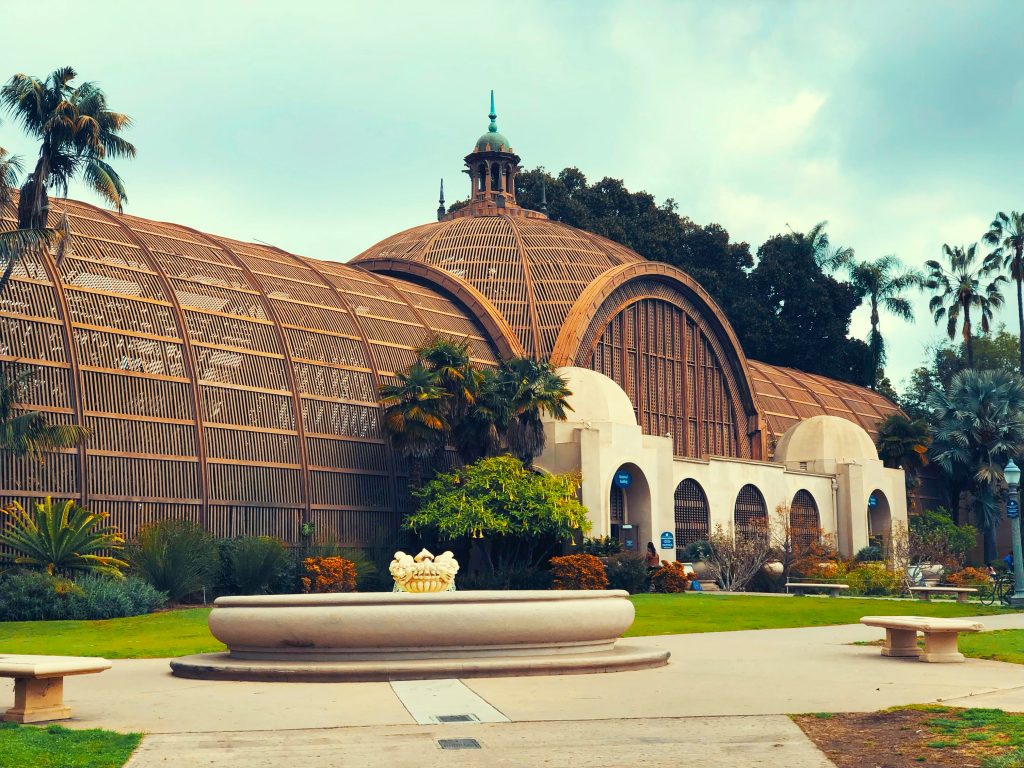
x=415 y=598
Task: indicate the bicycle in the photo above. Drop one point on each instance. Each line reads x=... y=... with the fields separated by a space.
x=998 y=591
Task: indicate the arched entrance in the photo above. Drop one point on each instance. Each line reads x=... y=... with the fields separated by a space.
x=879 y=519
x=750 y=513
x=804 y=522
x=692 y=515
x=630 y=508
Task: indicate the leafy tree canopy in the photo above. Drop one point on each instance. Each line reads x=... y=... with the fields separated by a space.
x=995 y=351
x=806 y=323
x=497 y=498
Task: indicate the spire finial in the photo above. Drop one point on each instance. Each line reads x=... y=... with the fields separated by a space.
x=543 y=197
x=493 y=127
x=440 y=203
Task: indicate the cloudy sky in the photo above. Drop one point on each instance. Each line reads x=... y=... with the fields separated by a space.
x=322 y=127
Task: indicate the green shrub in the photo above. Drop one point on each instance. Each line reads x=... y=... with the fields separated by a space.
x=33 y=596
x=600 y=546
x=694 y=551
x=38 y=596
x=873 y=579
x=104 y=598
x=175 y=556
x=870 y=554
x=936 y=538
x=627 y=571
x=254 y=563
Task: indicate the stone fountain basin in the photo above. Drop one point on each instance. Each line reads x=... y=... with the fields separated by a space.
x=399 y=635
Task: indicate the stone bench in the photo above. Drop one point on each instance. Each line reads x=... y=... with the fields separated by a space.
x=39 y=684
x=961 y=593
x=940 y=636
x=833 y=589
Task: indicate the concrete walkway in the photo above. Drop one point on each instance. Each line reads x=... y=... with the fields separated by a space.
x=721 y=698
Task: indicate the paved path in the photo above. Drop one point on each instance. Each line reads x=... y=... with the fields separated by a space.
x=730 y=742
x=721 y=698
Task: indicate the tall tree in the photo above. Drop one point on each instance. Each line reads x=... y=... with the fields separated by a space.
x=25 y=432
x=1006 y=232
x=960 y=286
x=531 y=389
x=797 y=315
x=883 y=284
x=979 y=426
x=78 y=135
x=414 y=417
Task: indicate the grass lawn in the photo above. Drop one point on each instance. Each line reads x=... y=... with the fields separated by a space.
x=1002 y=645
x=155 y=635
x=52 y=746
x=691 y=612
x=182 y=632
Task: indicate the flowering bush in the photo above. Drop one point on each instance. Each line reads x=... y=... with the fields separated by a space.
x=671 y=577
x=969 y=577
x=832 y=569
x=328 y=574
x=578 y=572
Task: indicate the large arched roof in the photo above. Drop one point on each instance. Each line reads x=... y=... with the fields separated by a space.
x=530 y=268
x=788 y=396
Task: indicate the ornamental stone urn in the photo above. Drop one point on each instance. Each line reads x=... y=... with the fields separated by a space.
x=424 y=573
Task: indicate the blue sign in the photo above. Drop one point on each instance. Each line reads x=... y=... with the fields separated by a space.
x=622 y=479
x=872 y=501
x=1012 y=509
x=668 y=541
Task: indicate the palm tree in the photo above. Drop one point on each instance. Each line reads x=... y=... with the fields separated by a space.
x=882 y=283
x=78 y=134
x=61 y=538
x=531 y=389
x=826 y=256
x=449 y=361
x=903 y=442
x=25 y=432
x=958 y=290
x=978 y=426
x=1006 y=232
x=481 y=432
x=414 y=417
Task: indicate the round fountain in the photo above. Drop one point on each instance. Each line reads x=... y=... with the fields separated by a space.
x=413 y=633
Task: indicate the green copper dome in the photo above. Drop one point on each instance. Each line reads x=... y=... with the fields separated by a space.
x=493 y=140
x=496 y=141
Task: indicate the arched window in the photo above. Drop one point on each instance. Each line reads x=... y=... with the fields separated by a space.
x=495 y=177
x=481 y=173
x=750 y=514
x=691 y=515
x=804 y=524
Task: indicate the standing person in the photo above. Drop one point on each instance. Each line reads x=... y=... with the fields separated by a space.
x=651 y=559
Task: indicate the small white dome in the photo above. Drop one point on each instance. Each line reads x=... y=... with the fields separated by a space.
x=824 y=438
x=595 y=397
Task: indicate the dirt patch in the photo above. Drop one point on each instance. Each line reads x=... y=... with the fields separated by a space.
x=907 y=738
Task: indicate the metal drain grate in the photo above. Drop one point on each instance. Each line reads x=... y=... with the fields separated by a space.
x=459 y=744
x=456 y=718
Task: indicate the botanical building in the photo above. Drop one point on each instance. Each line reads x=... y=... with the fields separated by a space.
x=235 y=383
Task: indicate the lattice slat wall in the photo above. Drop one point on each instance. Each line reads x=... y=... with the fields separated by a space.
x=229 y=383
x=674 y=377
